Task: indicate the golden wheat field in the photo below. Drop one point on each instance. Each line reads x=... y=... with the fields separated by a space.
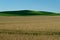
x=29 y=27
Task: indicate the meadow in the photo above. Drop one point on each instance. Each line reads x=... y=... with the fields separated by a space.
x=29 y=27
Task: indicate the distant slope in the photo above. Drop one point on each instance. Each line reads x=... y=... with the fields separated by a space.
x=26 y=13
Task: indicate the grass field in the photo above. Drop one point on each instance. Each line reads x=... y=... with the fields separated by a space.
x=28 y=13
x=29 y=27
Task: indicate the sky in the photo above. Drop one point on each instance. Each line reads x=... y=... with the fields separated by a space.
x=39 y=5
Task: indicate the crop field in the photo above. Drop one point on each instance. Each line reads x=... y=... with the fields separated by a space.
x=29 y=27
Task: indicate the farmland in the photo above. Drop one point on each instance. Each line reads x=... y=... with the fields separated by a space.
x=29 y=27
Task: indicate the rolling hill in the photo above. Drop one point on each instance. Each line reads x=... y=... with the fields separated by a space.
x=26 y=13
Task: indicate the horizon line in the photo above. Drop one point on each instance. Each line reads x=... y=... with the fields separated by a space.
x=27 y=9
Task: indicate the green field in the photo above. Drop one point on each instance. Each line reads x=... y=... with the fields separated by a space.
x=28 y=13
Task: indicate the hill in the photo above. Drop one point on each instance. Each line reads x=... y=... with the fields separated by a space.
x=26 y=13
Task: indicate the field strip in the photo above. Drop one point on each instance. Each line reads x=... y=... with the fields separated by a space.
x=29 y=32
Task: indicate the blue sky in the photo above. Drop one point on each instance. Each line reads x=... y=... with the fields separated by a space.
x=43 y=5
